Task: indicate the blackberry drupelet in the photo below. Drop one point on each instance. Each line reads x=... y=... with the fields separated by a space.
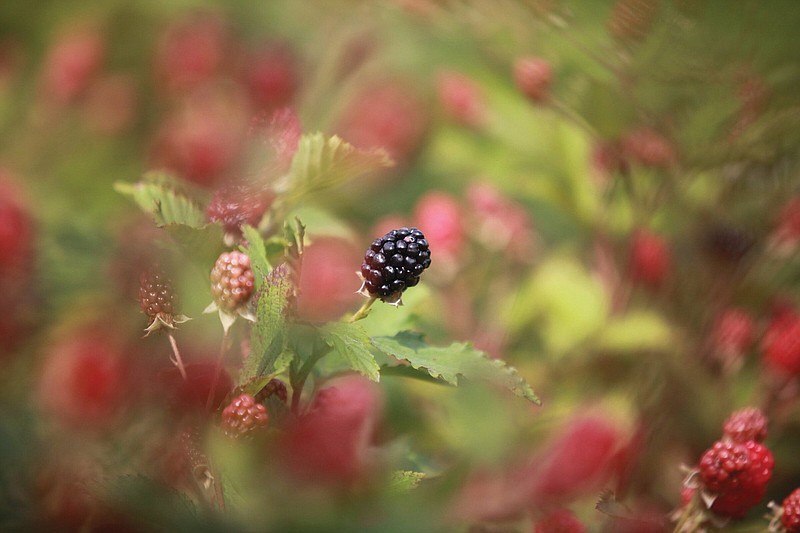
x=394 y=263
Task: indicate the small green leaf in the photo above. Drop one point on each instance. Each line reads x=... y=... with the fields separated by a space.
x=405 y=480
x=268 y=338
x=321 y=162
x=257 y=252
x=162 y=202
x=352 y=343
x=458 y=359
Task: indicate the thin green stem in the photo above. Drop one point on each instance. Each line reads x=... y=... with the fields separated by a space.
x=363 y=311
x=298 y=381
x=177 y=361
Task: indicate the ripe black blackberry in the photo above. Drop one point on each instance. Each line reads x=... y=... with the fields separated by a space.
x=394 y=263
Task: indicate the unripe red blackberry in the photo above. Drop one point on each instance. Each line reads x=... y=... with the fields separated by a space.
x=243 y=415
x=745 y=425
x=156 y=296
x=533 y=77
x=394 y=263
x=559 y=521
x=723 y=465
x=790 y=519
x=236 y=205
x=781 y=344
x=232 y=281
x=650 y=258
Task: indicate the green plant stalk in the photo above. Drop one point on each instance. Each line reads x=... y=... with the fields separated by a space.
x=298 y=380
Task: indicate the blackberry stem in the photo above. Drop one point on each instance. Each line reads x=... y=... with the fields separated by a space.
x=217 y=370
x=363 y=311
x=298 y=381
x=177 y=361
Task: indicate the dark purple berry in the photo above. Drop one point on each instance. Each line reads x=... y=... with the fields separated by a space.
x=395 y=262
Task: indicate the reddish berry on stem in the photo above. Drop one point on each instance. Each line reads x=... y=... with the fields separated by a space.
x=235 y=205
x=157 y=297
x=781 y=344
x=650 y=258
x=790 y=519
x=745 y=425
x=243 y=415
x=533 y=77
x=649 y=148
x=559 y=521
x=232 y=281
x=723 y=465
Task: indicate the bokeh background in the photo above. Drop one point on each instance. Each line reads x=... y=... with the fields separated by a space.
x=609 y=189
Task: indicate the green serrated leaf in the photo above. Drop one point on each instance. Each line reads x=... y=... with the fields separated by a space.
x=352 y=343
x=257 y=252
x=404 y=480
x=268 y=337
x=458 y=359
x=321 y=162
x=163 y=203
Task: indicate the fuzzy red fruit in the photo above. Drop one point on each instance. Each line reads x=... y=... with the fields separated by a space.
x=650 y=259
x=201 y=142
x=330 y=443
x=461 y=98
x=273 y=77
x=326 y=288
x=16 y=231
x=71 y=64
x=745 y=425
x=733 y=332
x=781 y=344
x=83 y=381
x=559 y=521
x=790 y=519
x=232 y=281
x=533 y=77
x=387 y=115
x=502 y=224
x=649 y=148
x=580 y=459
x=442 y=217
x=190 y=52
x=238 y=204
x=242 y=416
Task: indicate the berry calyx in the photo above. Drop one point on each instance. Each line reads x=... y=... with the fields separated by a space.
x=232 y=281
x=393 y=263
x=745 y=425
x=242 y=416
x=790 y=518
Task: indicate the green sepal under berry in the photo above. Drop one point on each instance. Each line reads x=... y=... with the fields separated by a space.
x=449 y=364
